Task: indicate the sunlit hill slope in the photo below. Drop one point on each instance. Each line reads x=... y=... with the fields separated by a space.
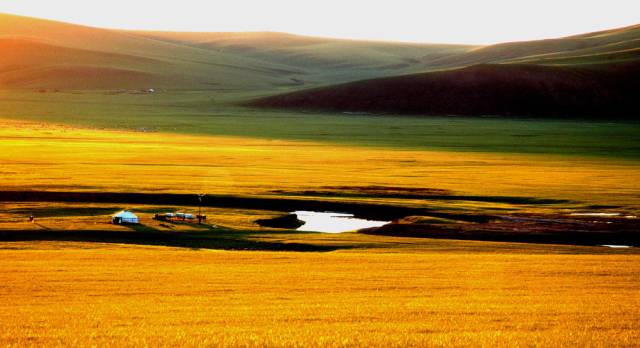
x=592 y=75
x=46 y=54
x=586 y=75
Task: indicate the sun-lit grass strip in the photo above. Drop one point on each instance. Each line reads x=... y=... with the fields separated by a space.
x=41 y=156
x=116 y=296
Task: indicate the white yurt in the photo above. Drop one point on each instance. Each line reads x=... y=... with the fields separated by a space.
x=125 y=217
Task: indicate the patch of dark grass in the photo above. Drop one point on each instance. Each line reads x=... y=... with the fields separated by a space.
x=599 y=206
x=159 y=210
x=41 y=212
x=364 y=210
x=149 y=236
x=543 y=230
x=422 y=194
x=289 y=221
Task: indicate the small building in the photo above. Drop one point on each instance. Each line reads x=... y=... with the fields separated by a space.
x=174 y=217
x=185 y=216
x=125 y=217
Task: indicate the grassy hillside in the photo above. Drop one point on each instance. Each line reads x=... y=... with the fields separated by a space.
x=590 y=75
x=606 y=47
x=48 y=54
x=335 y=59
x=507 y=90
x=74 y=51
x=231 y=67
x=27 y=63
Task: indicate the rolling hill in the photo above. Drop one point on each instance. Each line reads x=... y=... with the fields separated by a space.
x=583 y=75
x=23 y=64
x=48 y=54
x=334 y=59
x=603 y=47
x=51 y=54
x=590 y=75
x=603 y=90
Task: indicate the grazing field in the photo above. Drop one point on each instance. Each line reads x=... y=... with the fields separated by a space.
x=60 y=294
x=47 y=157
x=94 y=121
x=213 y=113
x=71 y=278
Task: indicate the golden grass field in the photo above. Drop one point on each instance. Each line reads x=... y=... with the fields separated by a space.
x=38 y=156
x=72 y=96
x=113 y=295
x=368 y=291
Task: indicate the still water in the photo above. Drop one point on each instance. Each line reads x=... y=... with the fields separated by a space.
x=329 y=222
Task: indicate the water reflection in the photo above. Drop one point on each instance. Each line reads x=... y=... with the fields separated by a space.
x=329 y=222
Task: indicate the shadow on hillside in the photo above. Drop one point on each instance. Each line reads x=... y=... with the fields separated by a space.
x=149 y=236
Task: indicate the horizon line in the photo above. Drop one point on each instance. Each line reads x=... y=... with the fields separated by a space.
x=326 y=37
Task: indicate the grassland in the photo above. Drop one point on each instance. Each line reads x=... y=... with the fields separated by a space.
x=214 y=114
x=71 y=278
x=509 y=90
x=76 y=116
x=40 y=157
x=91 y=294
x=46 y=54
x=616 y=45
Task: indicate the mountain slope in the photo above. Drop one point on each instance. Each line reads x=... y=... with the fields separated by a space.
x=559 y=51
x=203 y=61
x=333 y=57
x=74 y=48
x=331 y=54
x=38 y=53
x=26 y=63
x=590 y=75
x=507 y=89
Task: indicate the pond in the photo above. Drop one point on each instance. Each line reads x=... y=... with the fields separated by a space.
x=329 y=222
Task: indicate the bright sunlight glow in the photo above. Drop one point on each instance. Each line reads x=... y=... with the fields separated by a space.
x=451 y=21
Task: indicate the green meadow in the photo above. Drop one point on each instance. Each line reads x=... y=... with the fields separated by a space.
x=207 y=113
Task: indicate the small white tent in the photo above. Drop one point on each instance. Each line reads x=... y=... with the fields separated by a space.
x=125 y=217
